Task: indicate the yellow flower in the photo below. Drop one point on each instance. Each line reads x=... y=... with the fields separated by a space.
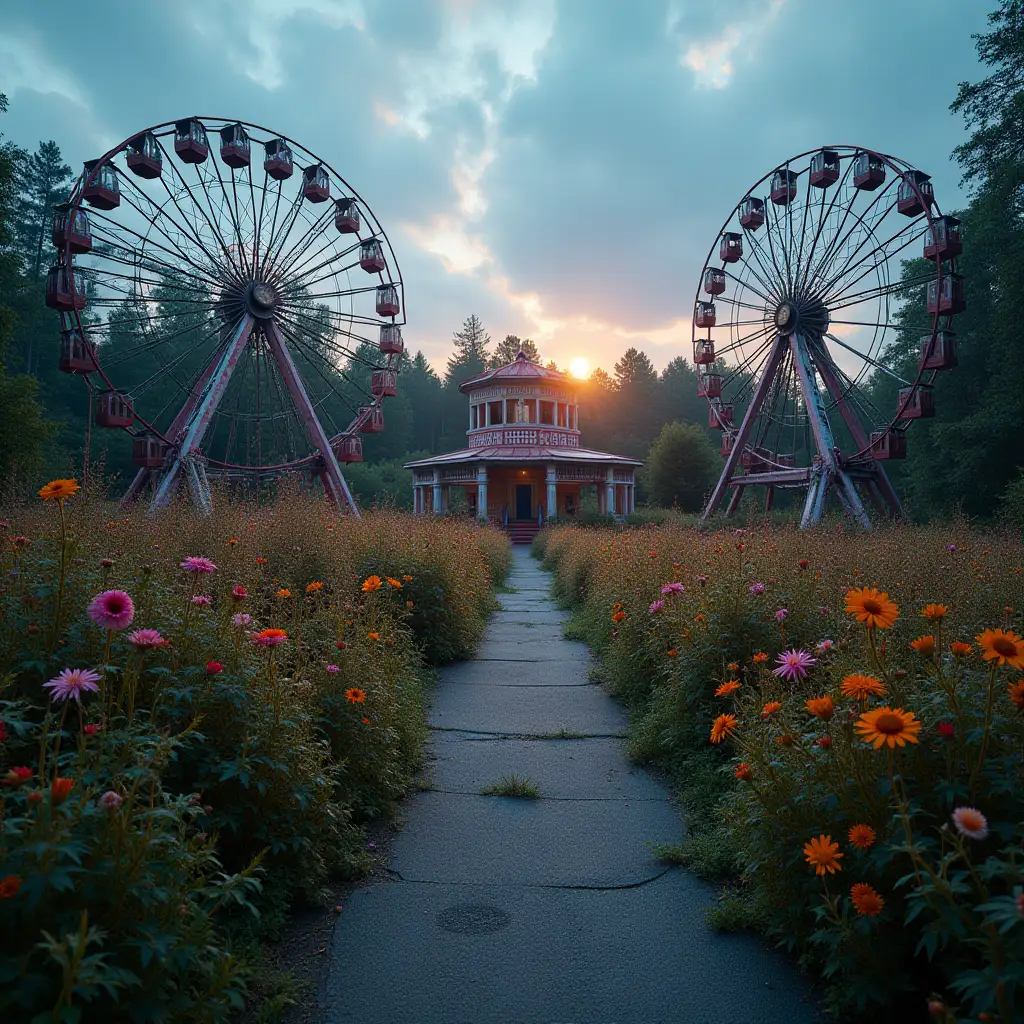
x=392 y=582
x=934 y=611
x=312 y=588
x=723 y=727
x=728 y=687
x=866 y=901
x=1002 y=647
x=872 y=607
x=821 y=707
x=823 y=855
x=371 y=583
x=59 y=490
x=890 y=727
x=860 y=687
x=862 y=836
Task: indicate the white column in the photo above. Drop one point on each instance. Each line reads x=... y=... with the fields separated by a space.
x=437 y=491
x=481 y=492
x=609 y=507
x=632 y=495
x=552 y=477
x=415 y=498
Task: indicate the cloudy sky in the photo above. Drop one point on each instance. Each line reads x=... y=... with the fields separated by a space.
x=559 y=167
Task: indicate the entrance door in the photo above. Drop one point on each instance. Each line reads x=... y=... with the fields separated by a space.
x=524 y=501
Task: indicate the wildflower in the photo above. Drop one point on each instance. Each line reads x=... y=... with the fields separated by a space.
x=409 y=604
x=924 y=645
x=91 y=729
x=701 y=579
x=946 y=730
x=861 y=836
x=354 y=695
x=756 y=588
x=935 y=612
x=283 y=593
x=9 y=886
x=366 y=721
x=743 y=772
x=373 y=636
x=59 y=490
x=213 y=668
x=113 y=609
x=785 y=740
x=825 y=742
x=241 y=619
x=860 y=687
x=793 y=665
x=70 y=683
x=618 y=616
x=371 y=583
x=407 y=578
x=1016 y=694
x=960 y=649
x=106 y=563
x=269 y=637
x=239 y=593
x=872 y=607
x=803 y=563
x=392 y=582
x=1002 y=647
x=951 y=547
x=340 y=645
x=781 y=614
x=3 y=731
x=672 y=653
x=673 y=588
x=885 y=726
x=196 y=563
x=656 y=607
x=232 y=541
x=760 y=658
x=728 y=687
x=821 y=707
x=110 y=801
x=59 y=790
x=203 y=600
x=261 y=560
x=970 y=822
x=823 y=647
x=146 y=639
x=333 y=669
x=17 y=776
x=770 y=708
x=823 y=855
x=866 y=901
x=723 y=727
x=312 y=588
x=19 y=542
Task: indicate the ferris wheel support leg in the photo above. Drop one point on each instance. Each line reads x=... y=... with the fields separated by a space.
x=137 y=486
x=756 y=401
x=334 y=482
x=769 y=498
x=734 y=501
x=851 y=499
x=888 y=492
x=814 y=504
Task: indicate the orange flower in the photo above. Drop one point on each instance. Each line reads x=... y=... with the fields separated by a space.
x=728 y=687
x=1016 y=694
x=371 y=583
x=1002 y=647
x=862 y=836
x=924 y=645
x=821 y=707
x=723 y=727
x=232 y=541
x=284 y=592
x=866 y=900
x=673 y=653
x=872 y=607
x=618 y=616
x=312 y=588
x=743 y=772
x=770 y=708
x=408 y=604
x=823 y=855
x=760 y=658
x=890 y=727
x=860 y=687
x=59 y=790
x=354 y=695
x=407 y=578
x=373 y=636
x=366 y=721
x=9 y=886
x=960 y=649
x=59 y=490
x=733 y=666
x=392 y=582
x=261 y=561
x=934 y=611
x=269 y=637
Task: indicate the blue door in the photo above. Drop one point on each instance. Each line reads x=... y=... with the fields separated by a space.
x=524 y=501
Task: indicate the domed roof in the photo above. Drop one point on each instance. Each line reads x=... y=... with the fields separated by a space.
x=519 y=369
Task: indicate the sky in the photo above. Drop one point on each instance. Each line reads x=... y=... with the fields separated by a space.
x=560 y=168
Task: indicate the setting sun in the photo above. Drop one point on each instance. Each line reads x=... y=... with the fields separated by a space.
x=580 y=367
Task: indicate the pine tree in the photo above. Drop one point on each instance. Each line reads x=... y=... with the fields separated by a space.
x=509 y=347
x=471 y=342
x=44 y=180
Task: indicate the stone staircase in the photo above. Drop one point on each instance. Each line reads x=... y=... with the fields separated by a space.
x=522 y=533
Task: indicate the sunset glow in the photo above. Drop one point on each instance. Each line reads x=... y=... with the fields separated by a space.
x=580 y=367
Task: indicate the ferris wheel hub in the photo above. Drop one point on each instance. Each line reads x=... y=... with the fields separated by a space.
x=786 y=317
x=261 y=298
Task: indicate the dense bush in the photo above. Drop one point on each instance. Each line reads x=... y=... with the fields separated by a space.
x=875 y=827
x=196 y=717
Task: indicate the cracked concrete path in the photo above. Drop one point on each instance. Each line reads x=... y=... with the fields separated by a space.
x=547 y=911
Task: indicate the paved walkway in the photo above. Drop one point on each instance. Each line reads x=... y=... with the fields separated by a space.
x=549 y=911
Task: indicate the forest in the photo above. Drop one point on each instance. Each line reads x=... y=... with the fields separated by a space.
x=969 y=458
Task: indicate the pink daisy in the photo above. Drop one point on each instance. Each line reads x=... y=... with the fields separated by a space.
x=673 y=588
x=110 y=801
x=113 y=609
x=71 y=682
x=241 y=619
x=780 y=615
x=146 y=639
x=196 y=563
x=756 y=588
x=823 y=647
x=202 y=599
x=238 y=592
x=794 y=664
x=656 y=607
x=332 y=669
x=970 y=822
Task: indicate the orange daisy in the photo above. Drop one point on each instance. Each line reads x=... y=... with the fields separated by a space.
x=890 y=727
x=723 y=727
x=823 y=855
x=59 y=490
x=862 y=836
x=371 y=583
x=872 y=607
x=733 y=666
x=1003 y=647
x=760 y=658
x=743 y=772
x=284 y=592
x=770 y=708
x=728 y=687
x=312 y=588
x=821 y=707
x=934 y=611
x=960 y=649
x=618 y=616
x=354 y=695
x=373 y=636
x=1016 y=694
x=392 y=582
x=924 y=645
x=860 y=687
x=866 y=901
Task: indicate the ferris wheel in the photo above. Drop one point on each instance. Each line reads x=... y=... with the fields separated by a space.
x=237 y=322
x=801 y=307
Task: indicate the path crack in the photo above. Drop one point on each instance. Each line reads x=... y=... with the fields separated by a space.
x=538 y=885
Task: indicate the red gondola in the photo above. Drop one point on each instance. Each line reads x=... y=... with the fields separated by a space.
x=390 y=342
x=113 y=410
x=101 y=189
x=371 y=419
x=920 y=403
x=942 y=240
x=950 y=298
x=63 y=291
x=704 y=353
x=346 y=216
x=784 y=186
x=728 y=443
x=234 y=146
x=720 y=417
x=387 y=300
x=384 y=382
x=888 y=444
x=371 y=256
x=704 y=314
x=753 y=459
x=316 y=185
x=709 y=385
x=277 y=161
x=731 y=248
x=868 y=171
x=80 y=233
x=824 y=168
x=915 y=192
x=349 y=449
x=190 y=142
x=751 y=213
x=148 y=452
x=144 y=157
x=938 y=352
x=76 y=354
x=714 y=281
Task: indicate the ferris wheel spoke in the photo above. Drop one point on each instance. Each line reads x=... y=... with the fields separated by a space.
x=748 y=286
x=294 y=275
x=312 y=354
x=879 y=291
x=133 y=258
x=339 y=349
x=803 y=271
x=279 y=237
x=833 y=296
x=96 y=275
x=867 y=359
x=783 y=247
x=257 y=220
x=232 y=210
x=758 y=251
x=283 y=261
x=740 y=342
x=741 y=366
x=845 y=394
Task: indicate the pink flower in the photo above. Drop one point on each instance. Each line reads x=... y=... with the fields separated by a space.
x=202 y=599
x=823 y=647
x=69 y=684
x=91 y=729
x=213 y=668
x=110 y=801
x=780 y=615
x=946 y=730
x=701 y=579
x=113 y=609
x=239 y=593
x=794 y=664
x=146 y=639
x=970 y=822
x=241 y=619
x=673 y=588
x=656 y=607
x=757 y=588
x=195 y=563
x=332 y=669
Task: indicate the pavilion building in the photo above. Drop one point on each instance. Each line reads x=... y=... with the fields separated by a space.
x=523 y=463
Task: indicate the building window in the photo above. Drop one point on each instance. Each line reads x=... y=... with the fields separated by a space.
x=530 y=410
x=562 y=413
x=495 y=411
x=511 y=410
x=547 y=414
x=476 y=417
